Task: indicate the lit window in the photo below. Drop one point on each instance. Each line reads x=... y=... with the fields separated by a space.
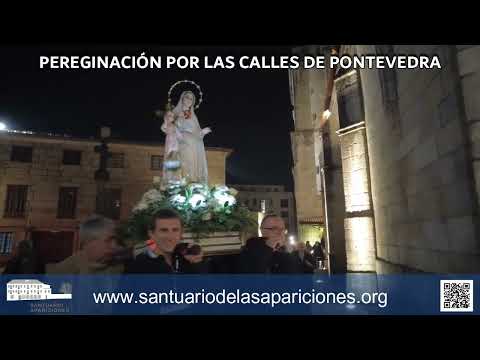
x=16 y=201
x=156 y=162
x=6 y=242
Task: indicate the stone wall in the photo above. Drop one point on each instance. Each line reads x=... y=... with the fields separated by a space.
x=359 y=221
x=468 y=58
x=423 y=192
x=318 y=182
x=308 y=199
x=334 y=189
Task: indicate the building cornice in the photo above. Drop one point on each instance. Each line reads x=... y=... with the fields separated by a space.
x=45 y=138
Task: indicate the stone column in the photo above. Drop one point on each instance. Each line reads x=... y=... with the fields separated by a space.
x=359 y=220
x=468 y=58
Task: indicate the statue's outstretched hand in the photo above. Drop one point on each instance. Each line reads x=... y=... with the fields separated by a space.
x=206 y=131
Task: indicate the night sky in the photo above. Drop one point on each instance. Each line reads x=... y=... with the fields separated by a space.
x=248 y=110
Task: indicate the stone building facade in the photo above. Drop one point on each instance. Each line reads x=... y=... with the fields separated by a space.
x=47 y=187
x=409 y=142
x=305 y=140
x=269 y=199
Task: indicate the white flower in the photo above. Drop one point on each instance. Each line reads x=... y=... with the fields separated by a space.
x=224 y=198
x=197 y=199
x=152 y=195
x=199 y=189
x=207 y=216
x=140 y=206
x=194 y=186
x=220 y=188
x=156 y=179
x=178 y=199
x=173 y=185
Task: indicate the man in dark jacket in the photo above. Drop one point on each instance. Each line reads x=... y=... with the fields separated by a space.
x=25 y=261
x=304 y=259
x=261 y=254
x=166 y=254
x=319 y=254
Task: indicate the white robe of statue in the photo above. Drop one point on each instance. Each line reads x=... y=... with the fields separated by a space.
x=191 y=147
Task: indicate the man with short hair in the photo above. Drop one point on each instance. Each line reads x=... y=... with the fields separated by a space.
x=264 y=254
x=273 y=229
x=163 y=254
x=99 y=246
x=304 y=258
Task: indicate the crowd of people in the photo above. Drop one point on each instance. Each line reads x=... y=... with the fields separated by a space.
x=102 y=253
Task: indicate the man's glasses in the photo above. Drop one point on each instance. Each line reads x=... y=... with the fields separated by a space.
x=276 y=229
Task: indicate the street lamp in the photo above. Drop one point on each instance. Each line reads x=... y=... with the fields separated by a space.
x=102 y=176
x=102 y=173
x=3 y=126
x=292 y=239
x=326 y=114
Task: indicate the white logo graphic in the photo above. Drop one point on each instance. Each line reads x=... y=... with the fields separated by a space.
x=29 y=289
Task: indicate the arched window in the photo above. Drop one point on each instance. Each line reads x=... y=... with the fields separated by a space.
x=389 y=86
x=349 y=99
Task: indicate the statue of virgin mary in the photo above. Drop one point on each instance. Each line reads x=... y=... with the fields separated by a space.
x=191 y=148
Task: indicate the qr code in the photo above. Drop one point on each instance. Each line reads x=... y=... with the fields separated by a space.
x=456 y=295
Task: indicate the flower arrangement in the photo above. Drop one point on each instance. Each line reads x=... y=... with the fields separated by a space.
x=203 y=209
